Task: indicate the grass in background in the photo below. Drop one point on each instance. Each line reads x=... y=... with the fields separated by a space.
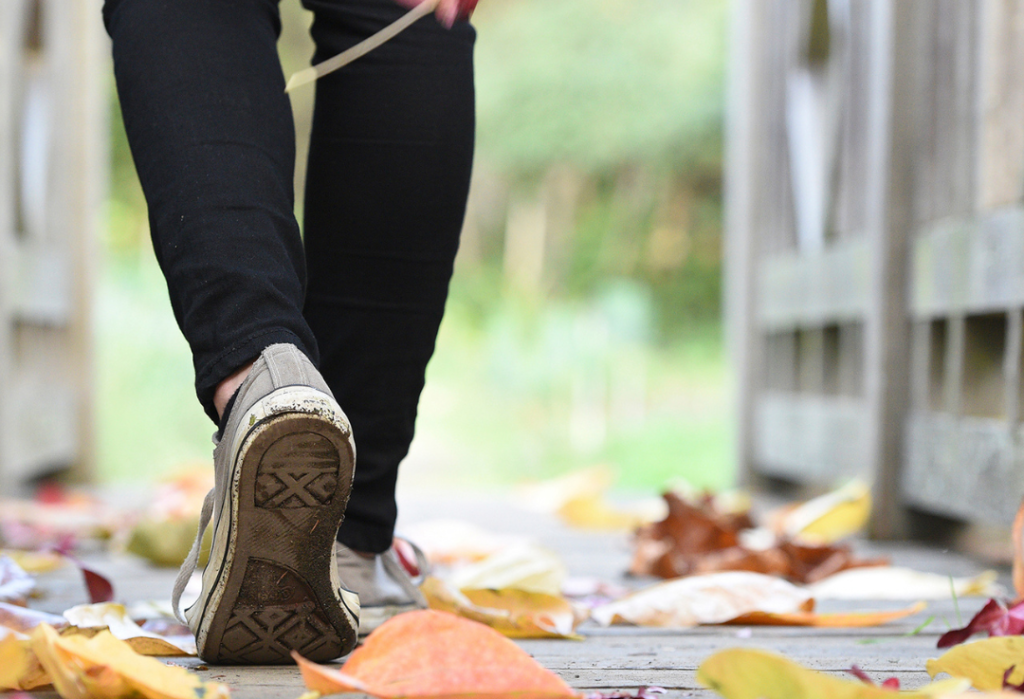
x=526 y=390
x=149 y=421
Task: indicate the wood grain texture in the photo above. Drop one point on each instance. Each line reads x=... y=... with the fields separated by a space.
x=616 y=658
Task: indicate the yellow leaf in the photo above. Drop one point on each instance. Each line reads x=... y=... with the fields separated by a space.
x=104 y=667
x=592 y=511
x=13 y=662
x=428 y=653
x=983 y=662
x=753 y=674
x=34 y=561
x=513 y=613
x=744 y=673
x=520 y=566
x=829 y=518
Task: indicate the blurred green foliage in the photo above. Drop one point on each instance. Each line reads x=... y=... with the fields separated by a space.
x=604 y=117
x=600 y=84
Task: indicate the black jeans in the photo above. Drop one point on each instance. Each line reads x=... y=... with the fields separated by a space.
x=211 y=132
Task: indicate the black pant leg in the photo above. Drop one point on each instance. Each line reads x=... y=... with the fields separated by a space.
x=389 y=166
x=211 y=133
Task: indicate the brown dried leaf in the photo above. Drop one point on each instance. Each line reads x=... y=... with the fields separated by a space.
x=696 y=539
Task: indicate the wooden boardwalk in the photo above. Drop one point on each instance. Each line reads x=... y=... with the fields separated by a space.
x=618 y=658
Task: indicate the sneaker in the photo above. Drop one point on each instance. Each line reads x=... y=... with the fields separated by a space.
x=383 y=584
x=283 y=472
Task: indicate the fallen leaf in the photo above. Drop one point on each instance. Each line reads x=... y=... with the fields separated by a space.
x=15 y=584
x=1009 y=685
x=550 y=495
x=890 y=683
x=1018 y=552
x=32 y=525
x=13 y=662
x=450 y=542
x=885 y=582
x=983 y=662
x=995 y=617
x=826 y=519
x=522 y=567
x=642 y=693
x=705 y=599
x=746 y=673
x=696 y=538
x=19 y=668
x=23 y=619
x=103 y=667
x=164 y=533
x=513 y=613
x=114 y=617
x=434 y=654
x=590 y=592
x=839 y=620
x=34 y=561
x=595 y=512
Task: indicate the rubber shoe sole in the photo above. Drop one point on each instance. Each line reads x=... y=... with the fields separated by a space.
x=274 y=591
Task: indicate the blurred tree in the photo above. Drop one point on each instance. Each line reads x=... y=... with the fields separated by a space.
x=600 y=83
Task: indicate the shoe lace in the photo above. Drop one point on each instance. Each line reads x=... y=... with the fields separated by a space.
x=188 y=566
x=397 y=572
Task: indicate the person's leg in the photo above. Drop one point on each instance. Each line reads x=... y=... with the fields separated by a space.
x=211 y=132
x=388 y=176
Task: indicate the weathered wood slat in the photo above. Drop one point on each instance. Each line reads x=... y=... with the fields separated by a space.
x=814 y=289
x=966 y=467
x=1000 y=166
x=52 y=172
x=811 y=438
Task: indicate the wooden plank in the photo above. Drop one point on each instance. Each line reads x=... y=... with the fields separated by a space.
x=921 y=347
x=11 y=22
x=1000 y=155
x=968 y=468
x=743 y=166
x=830 y=286
x=1012 y=365
x=890 y=160
x=810 y=438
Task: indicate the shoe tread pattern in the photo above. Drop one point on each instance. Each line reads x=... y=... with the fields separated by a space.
x=276 y=612
x=296 y=472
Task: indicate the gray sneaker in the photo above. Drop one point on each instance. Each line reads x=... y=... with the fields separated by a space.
x=283 y=467
x=385 y=588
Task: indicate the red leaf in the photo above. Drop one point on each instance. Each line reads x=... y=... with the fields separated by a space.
x=861 y=675
x=100 y=588
x=995 y=618
x=891 y=683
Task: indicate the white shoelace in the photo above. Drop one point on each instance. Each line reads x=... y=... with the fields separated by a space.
x=188 y=566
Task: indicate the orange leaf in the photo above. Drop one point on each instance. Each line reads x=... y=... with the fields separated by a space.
x=835 y=621
x=1018 y=552
x=435 y=654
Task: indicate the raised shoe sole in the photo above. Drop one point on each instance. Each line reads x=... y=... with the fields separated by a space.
x=274 y=588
